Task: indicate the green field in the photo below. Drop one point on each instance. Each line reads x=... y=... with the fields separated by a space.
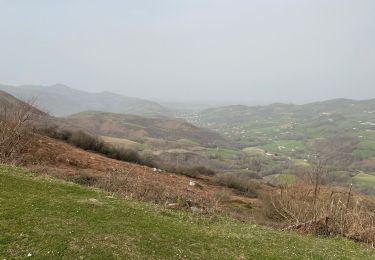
x=364 y=180
x=282 y=179
x=188 y=142
x=284 y=145
x=224 y=154
x=253 y=151
x=365 y=149
x=51 y=219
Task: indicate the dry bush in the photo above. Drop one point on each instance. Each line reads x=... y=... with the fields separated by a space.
x=239 y=182
x=139 y=188
x=193 y=172
x=223 y=196
x=135 y=187
x=330 y=212
x=16 y=133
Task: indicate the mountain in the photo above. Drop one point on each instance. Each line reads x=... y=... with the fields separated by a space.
x=60 y=100
x=137 y=127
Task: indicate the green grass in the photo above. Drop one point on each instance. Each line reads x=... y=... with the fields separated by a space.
x=364 y=180
x=52 y=219
x=188 y=142
x=364 y=153
x=282 y=179
x=253 y=151
x=224 y=154
x=365 y=149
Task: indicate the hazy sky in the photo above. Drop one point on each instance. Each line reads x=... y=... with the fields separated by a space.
x=250 y=50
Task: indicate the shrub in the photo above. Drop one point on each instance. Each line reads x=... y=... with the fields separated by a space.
x=193 y=172
x=16 y=132
x=241 y=183
x=335 y=212
x=88 y=142
x=201 y=170
x=85 y=180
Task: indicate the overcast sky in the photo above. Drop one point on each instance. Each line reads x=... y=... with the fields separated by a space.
x=250 y=50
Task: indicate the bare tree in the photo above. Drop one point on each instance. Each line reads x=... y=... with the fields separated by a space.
x=16 y=133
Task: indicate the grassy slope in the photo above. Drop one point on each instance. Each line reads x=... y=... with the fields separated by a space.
x=50 y=219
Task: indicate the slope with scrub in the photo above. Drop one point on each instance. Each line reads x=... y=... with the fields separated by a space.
x=48 y=218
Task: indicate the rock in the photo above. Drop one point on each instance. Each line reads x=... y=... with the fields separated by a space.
x=195 y=184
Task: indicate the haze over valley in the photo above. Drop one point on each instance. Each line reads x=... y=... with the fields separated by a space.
x=187 y=129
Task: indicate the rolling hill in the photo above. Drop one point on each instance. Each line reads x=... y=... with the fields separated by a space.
x=241 y=114
x=60 y=100
x=261 y=125
x=135 y=127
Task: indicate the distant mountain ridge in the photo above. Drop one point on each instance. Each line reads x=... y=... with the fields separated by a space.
x=261 y=125
x=60 y=100
x=240 y=113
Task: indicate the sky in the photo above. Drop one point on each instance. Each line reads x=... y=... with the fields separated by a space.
x=239 y=51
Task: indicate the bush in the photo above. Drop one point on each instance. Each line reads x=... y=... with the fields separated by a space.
x=201 y=170
x=16 y=133
x=193 y=172
x=332 y=212
x=88 y=142
x=85 y=180
x=240 y=183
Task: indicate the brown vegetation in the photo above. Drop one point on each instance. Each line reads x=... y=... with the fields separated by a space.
x=16 y=135
x=61 y=160
x=88 y=142
x=241 y=183
x=324 y=210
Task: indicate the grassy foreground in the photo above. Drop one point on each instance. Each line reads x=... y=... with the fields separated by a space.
x=48 y=218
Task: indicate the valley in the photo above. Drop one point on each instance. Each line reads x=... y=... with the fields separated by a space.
x=237 y=130
x=343 y=130
x=215 y=163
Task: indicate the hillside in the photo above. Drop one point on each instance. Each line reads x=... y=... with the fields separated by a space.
x=277 y=124
x=241 y=114
x=60 y=100
x=46 y=218
x=167 y=139
x=285 y=138
x=136 y=128
x=13 y=107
